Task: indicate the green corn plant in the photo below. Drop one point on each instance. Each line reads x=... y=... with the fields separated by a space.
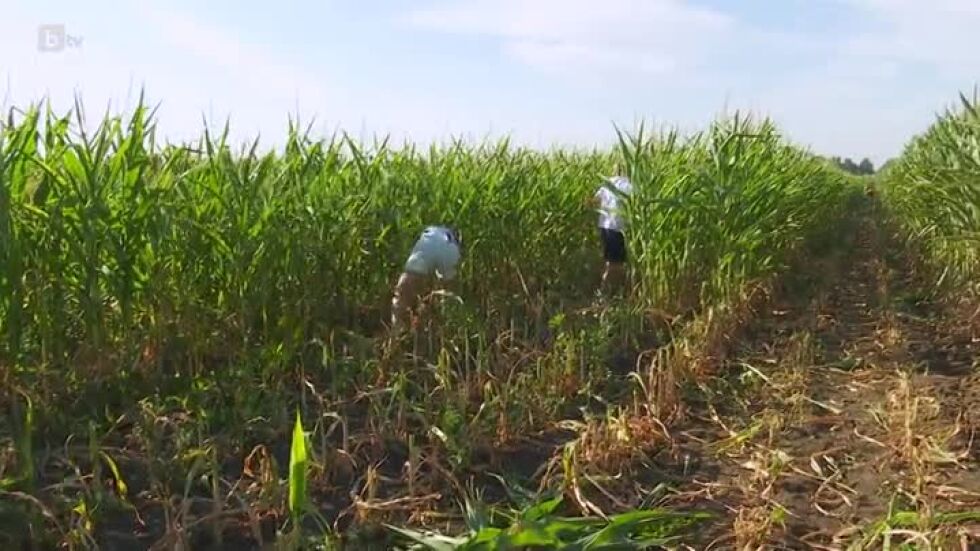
x=24 y=414
x=931 y=192
x=538 y=526
x=298 y=498
x=192 y=248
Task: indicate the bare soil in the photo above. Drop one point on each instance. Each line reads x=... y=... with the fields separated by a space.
x=856 y=400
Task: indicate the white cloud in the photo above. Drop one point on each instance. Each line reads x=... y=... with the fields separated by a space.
x=864 y=89
x=652 y=36
x=571 y=55
x=192 y=67
x=252 y=67
x=941 y=34
x=882 y=85
x=199 y=68
x=622 y=21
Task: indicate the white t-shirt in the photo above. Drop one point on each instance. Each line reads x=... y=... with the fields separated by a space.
x=435 y=252
x=609 y=202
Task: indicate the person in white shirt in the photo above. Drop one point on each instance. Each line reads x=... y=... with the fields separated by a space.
x=609 y=198
x=436 y=252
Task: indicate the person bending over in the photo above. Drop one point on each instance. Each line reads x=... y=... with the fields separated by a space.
x=436 y=253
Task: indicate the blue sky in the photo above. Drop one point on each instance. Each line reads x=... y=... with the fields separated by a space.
x=844 y=77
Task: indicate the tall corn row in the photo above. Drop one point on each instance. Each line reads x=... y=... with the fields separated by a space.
x=722 y=209
x=117 y=250
x=934 y=191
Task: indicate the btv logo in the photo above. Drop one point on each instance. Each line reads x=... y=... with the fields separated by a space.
x=53 y=38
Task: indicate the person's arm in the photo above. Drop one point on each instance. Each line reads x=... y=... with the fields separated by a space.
x=595 y=200
x=448 y=258
x=447 y=271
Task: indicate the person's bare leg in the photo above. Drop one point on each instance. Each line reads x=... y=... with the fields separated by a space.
x=613 y=277
x=405 y=298
x=604 y=283
x=619 y=271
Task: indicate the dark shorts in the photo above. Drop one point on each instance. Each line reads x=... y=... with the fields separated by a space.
x=613 y=245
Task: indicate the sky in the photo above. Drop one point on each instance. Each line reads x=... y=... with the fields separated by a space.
x=855 y=78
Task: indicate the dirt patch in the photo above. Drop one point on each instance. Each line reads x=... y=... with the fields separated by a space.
x=855 y=400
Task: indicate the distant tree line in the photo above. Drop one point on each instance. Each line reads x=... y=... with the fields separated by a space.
x=884 y=166
x=864 y=168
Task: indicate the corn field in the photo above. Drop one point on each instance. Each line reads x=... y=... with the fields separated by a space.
x=170 y=307
x=934 y=192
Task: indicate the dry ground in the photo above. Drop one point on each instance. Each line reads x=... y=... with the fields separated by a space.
x=848 y=423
